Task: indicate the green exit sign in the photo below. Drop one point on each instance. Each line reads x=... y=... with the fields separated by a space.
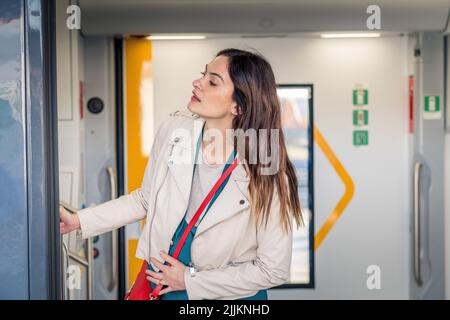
x=360 y=138
x=432 y=104
x=432 y=107
x=360 y=97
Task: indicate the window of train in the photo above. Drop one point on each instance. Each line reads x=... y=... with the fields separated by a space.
x=296 y=118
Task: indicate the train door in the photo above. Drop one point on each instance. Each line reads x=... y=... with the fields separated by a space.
x=87 y=156
x=29 y=223
x=427 y=219
x=105 y=124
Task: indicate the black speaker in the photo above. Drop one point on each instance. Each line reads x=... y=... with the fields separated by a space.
x=95 y=105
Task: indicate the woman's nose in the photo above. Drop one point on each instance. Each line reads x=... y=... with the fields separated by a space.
x=197 y=84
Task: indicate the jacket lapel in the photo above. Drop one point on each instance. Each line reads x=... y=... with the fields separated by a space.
x=181 y=159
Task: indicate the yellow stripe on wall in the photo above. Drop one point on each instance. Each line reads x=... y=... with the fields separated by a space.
x=138 y=124
x=348 y=183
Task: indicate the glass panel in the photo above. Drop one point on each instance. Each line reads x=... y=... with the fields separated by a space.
x=295 y=117
x=13 y=186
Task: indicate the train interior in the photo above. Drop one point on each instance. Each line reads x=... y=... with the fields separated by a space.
x=364 y=112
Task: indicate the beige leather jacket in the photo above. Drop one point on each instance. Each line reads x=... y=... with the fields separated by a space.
x=233 y=258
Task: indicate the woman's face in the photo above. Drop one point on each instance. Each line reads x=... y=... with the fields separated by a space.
x=213 y=93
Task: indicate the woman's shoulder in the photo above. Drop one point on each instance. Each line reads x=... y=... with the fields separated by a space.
x=179 y=122
x=179 y=119
x=184 y=115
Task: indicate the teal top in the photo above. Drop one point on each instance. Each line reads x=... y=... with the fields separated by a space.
x=185 y=253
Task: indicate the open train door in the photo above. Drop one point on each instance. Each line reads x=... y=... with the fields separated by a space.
x=91 y=156
x=29 y=219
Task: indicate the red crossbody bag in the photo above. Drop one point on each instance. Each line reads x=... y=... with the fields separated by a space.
x=141 y=289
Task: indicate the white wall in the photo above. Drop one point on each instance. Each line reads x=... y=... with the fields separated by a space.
x=70 y=71
x=373 y=229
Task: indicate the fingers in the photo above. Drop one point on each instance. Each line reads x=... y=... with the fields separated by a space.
x=168 y=275
x=165 y=290
x=159 y=264
x=156 y=275
x=68 y=221
x=168 y=258
x=156 y=280
x=64 y=216
x=62 y=211
x=62 y=228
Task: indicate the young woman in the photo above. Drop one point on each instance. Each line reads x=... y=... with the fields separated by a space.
x=242 y=243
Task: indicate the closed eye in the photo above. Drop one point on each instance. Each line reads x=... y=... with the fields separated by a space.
x=210 y=82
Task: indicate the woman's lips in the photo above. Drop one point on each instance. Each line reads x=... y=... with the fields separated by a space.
x=195 y=97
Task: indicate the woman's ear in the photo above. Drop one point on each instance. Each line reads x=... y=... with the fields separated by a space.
x=236 y=110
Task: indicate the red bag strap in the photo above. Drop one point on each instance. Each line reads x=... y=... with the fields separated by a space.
x=203 y=206
x=197 y=214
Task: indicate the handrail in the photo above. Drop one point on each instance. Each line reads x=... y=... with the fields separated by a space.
x=88 y=263
x=417 y=225
x=90 y=288
x=114 y=234
x=78 y=259
x=66 y=260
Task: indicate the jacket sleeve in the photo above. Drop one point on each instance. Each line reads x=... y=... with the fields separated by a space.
x=126 y=209
x=270 y=268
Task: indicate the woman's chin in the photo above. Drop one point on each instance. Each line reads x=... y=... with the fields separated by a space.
x=193 y=108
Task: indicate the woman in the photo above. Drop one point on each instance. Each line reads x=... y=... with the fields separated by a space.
x=242 y=242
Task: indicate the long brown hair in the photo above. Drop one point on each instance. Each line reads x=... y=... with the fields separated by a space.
x=259 y=108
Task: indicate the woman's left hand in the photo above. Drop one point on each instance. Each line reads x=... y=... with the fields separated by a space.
x=171 y=275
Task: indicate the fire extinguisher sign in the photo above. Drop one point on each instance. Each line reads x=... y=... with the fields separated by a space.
x=360 y=117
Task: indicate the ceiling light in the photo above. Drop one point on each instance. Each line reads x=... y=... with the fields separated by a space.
x=349 y=35
x=161 y=37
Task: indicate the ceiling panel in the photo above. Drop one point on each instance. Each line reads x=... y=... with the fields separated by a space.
x=108 y=17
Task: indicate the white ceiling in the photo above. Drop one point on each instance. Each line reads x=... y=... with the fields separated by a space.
x=256 y=17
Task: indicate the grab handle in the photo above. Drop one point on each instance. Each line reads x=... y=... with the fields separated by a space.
x=114 y=235
x=417 y=225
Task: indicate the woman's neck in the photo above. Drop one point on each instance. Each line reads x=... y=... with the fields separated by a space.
x=216 y=147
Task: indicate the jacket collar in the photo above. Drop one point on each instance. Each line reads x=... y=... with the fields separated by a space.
x=233 y=199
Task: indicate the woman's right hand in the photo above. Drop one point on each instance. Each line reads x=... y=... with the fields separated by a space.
x=69 y=222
